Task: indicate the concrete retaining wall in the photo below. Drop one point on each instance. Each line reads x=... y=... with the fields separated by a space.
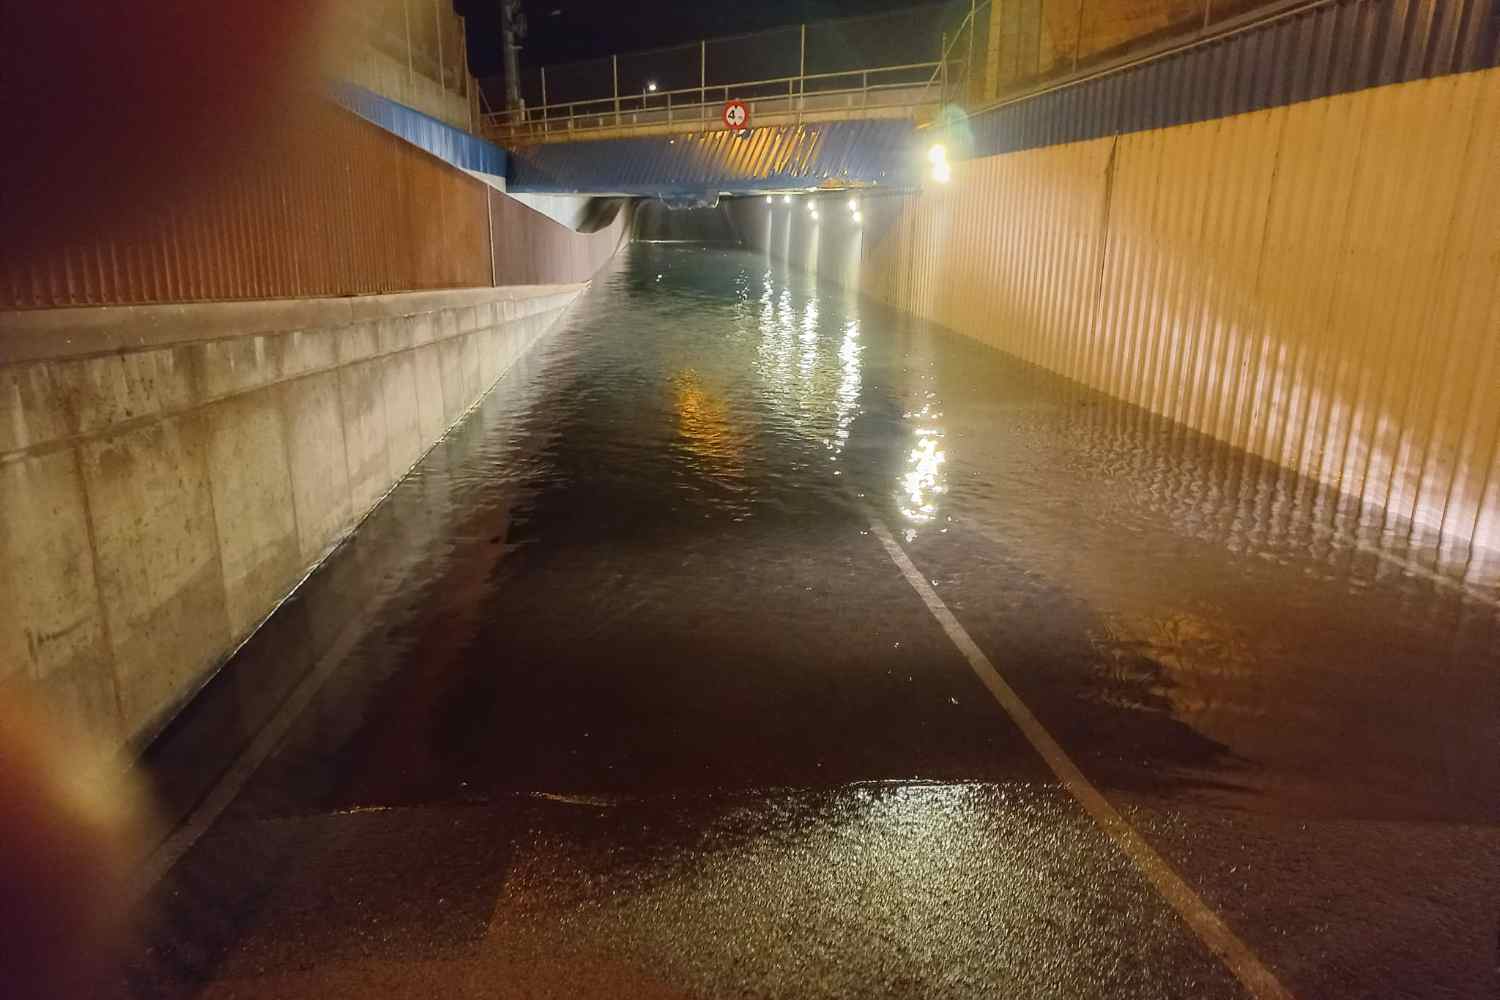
x=169 y=473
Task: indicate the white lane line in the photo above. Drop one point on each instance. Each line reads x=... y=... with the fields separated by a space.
x=1211 y=930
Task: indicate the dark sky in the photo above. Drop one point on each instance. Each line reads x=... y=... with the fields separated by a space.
x=563 y=31
x=582 y=28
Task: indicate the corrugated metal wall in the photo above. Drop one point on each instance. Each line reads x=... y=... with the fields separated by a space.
x=1316 y=50
x=531 y=249
x=1316 y=283
x=326 y=204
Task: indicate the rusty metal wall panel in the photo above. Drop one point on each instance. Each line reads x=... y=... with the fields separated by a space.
x=326 y=204
x=1328 y=48
x=531 y=249
x=1313 y=283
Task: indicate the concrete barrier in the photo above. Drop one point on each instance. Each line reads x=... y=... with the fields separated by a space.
x=169 y=473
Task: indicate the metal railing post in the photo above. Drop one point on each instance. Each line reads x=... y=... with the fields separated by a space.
x=969 y=61
x=463 y=73
x=437 y=25
x=614 y=69
x=943 y=70
x=1078 y=38
x=406 y=21
x=802 y=66
x=544 y=100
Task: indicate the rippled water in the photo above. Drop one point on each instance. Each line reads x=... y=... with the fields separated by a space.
x=750 y=384
x=1166 y=576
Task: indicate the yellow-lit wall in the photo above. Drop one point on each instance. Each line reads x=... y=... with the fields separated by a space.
x=1030 y=38
x=1318 y=284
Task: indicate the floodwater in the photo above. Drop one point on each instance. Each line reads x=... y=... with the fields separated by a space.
x=619 y=694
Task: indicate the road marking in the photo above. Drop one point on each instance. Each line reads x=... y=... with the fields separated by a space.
x=1211 y=930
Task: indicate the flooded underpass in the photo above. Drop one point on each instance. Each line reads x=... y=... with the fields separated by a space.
x=672 y=672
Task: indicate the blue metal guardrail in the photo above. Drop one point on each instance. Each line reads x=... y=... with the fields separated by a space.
x=452 y=145
x=857 y=153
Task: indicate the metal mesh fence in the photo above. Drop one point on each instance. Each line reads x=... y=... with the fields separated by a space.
x=412 y=51
x=844 y=46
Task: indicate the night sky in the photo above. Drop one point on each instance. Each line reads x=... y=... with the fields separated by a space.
x=563 y=31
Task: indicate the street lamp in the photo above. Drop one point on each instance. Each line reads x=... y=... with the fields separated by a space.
x=938 y=157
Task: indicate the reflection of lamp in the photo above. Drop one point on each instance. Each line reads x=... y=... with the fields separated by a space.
x=786 y=199
x=769 y=199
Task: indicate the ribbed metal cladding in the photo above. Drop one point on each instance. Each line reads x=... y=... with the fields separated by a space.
x=1312 y=283
x=326 y=204
x=1334 y=47
x=531 y=249
x=872 y=152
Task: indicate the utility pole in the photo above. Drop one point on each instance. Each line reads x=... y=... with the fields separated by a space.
x=512 y=30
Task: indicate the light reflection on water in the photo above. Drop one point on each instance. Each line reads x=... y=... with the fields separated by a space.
x=928 y=425
x=1220 y=590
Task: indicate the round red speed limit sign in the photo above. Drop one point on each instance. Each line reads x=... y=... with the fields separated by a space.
x=736 y=115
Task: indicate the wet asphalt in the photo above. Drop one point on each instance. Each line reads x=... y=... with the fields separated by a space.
x=624 y=698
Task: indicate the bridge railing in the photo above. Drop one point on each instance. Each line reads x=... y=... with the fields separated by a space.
x=910 y=89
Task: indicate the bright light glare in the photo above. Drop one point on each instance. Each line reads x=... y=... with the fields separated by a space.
x=651 y=86
x=858 y=217
x=941 y=172
x=853 y=205
x=786 y=199
x=937 y=154
x=769 y=199
x=815 y=215
x=812 y=206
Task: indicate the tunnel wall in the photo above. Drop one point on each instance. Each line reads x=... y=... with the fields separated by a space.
x=656 y=223
x=169 y=473
x=530 y=248
x=317 y=201
x=1314 y=283
x=1317 y=283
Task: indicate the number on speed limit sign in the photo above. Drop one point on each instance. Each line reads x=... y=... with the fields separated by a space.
x=736 y=115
